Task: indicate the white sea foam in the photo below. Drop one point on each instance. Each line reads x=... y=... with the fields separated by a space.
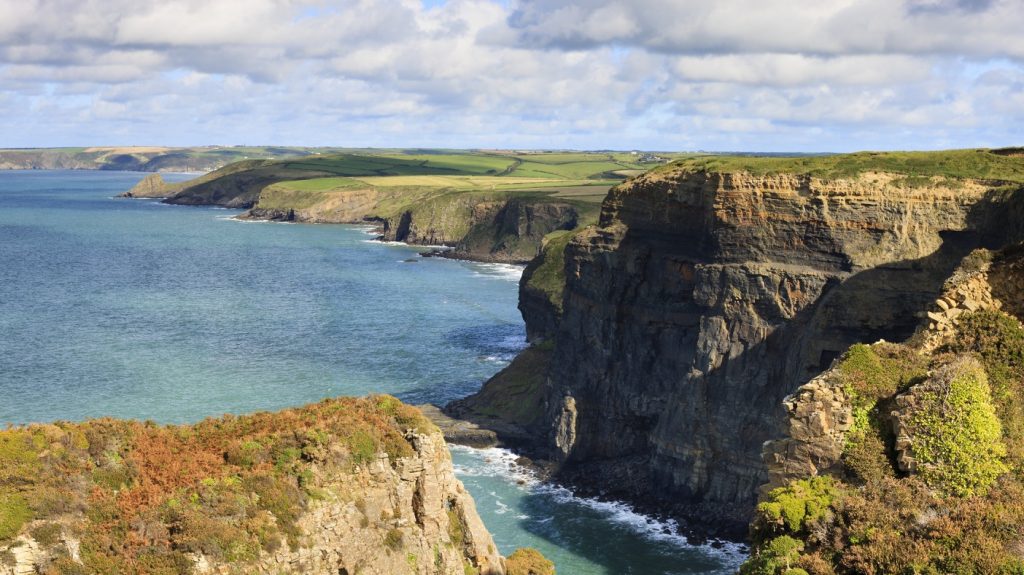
x=498 y=462
x=509 y=272
x=385 y=243
x=244 y=221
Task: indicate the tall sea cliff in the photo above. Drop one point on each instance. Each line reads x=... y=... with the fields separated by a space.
x=713 y=288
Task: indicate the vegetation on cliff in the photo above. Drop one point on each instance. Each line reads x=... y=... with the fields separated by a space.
x=546 y=273
x=527 y=561
x=918 y=167
x=135 y=497
x=931 y=479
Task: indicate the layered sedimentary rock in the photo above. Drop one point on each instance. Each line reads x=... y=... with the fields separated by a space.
x=703 y=298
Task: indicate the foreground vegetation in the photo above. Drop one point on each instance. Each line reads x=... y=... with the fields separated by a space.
x=932 y=475
x=139 y=497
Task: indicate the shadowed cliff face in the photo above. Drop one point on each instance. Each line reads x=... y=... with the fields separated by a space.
x=702 y=299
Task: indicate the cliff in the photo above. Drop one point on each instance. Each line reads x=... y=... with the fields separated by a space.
x=484 y=225
x=342 y=486
x=908 y=457
x=712 y=288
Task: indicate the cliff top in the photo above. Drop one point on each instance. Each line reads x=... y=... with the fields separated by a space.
x=1006 y=165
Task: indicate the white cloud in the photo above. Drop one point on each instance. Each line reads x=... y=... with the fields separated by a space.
x=713 y=74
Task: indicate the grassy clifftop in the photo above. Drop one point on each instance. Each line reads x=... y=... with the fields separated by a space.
x=577 y=176
x=1003 y=165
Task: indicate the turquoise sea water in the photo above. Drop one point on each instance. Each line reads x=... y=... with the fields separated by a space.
x=132 y=308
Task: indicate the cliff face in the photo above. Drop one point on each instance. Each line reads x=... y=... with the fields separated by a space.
x=344 y=486
x=500 y=229
x=704 y=298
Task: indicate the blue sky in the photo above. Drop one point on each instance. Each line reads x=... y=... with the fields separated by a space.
x=770 y=75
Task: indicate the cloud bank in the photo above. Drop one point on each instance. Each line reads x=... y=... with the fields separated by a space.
x=794 y=75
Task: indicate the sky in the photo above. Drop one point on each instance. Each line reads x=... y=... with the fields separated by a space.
x=673 y=75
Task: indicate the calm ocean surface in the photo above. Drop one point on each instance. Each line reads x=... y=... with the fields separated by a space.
x=131 y=308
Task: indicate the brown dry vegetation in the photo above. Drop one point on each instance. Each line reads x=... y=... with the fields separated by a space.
x=139 y=496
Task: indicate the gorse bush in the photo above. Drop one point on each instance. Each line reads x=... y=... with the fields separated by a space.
x=998 y=341
x=794 y=508
x=955 y=434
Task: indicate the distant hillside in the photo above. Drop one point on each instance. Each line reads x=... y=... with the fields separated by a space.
x=144 y=158
x=488 y=205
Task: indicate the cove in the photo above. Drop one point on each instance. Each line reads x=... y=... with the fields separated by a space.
x=135 y=309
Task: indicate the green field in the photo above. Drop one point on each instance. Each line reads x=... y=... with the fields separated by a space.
x=418 y=176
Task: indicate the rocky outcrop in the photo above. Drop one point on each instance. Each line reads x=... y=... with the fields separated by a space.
x=818 y=417
x=819 y=414
x=509 y=405
x=343 y=486
x=411 y=517
x=704 y=298
x=152 y=186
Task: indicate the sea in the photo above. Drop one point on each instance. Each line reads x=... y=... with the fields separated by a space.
x=138 y=309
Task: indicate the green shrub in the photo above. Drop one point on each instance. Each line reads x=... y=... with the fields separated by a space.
x=363 y=447
x=871 y=375
x=777 y=556
x=956 y=435
x=528 y=561
x=792 y=509
x=47 y=534
x=456 y=530
x=14 y=513
x=998 y=340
